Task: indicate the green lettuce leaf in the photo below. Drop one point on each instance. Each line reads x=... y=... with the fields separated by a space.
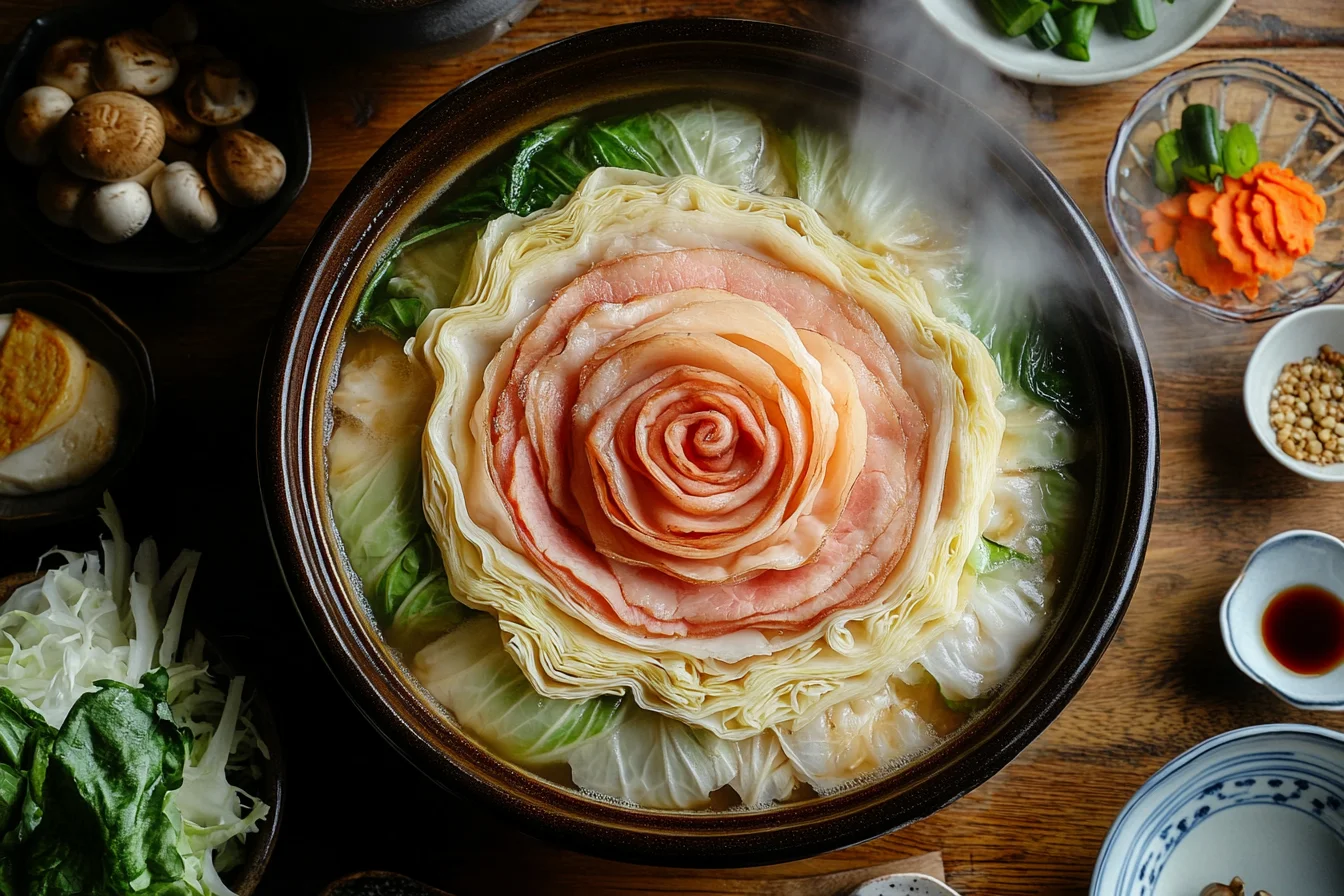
x=104 y=828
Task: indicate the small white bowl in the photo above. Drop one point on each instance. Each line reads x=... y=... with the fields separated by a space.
x=1114 y=57
x=904 y=885
x=1297 y=336
x=1299 y=557
x=1265 y=804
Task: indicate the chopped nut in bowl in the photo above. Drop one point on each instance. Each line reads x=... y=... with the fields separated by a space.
x=1172 y=190
x=1294 y=392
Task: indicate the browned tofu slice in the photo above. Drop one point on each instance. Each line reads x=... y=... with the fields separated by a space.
x=43 y=372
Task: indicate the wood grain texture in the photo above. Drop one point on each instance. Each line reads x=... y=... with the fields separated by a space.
x=1163 y=686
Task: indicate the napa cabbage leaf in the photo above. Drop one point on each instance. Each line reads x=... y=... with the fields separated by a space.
x=764 y=773
x=658 y=762
x=1003 y=620
x=856 y=738
x=469 y=671
x=719 y=141
x=1035 y=436
x=850 y=180
x=373 y=470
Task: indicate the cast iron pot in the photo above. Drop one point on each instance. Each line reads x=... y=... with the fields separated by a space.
x=649 y=63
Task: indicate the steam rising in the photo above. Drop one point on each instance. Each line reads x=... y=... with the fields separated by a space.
x=949 y=167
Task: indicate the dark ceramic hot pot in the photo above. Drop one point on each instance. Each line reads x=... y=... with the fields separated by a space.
x=647 y=63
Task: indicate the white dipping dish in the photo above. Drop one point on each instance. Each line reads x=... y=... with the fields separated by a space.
x=1297 y=336
x=1299 y=557
x=1265 y=804
x=1115 y=57
x=904 y=885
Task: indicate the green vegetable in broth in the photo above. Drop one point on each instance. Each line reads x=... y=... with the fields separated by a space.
x=468 y=671
x=718 y=141
x=652 y=760
x=988 y=556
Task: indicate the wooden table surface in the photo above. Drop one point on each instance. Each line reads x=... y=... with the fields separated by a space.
x=353 y=804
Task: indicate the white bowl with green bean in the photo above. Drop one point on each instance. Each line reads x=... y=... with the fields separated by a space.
x=1075 y=43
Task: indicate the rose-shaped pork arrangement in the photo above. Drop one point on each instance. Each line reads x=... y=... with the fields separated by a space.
x=690 y=444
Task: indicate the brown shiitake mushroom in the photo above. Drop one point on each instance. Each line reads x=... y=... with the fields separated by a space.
x=66 y=65
x=135 y=62
x=244 y=168
x=30 y=131
x=177 y=125
x=59 y=193
x=115 y=212
x=220 y=95
x=184 y=204
x=110 y=136
x=177 y=25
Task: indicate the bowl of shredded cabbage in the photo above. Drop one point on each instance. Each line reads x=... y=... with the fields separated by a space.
x=130 y=759
x=708 y=442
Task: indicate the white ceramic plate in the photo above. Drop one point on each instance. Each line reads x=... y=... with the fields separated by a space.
x=1265 y=804
x=1297 y=336
x=1180 y=25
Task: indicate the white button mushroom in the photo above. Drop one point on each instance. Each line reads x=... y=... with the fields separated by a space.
x=184 y=204
x=177 y=125
x=110 y=136
x=220 y=95
x=245 y=169
x=177 y=25
x=59 y=193
x=135 y=62
x=31 y=129
x=115 y=212
x=66 y=65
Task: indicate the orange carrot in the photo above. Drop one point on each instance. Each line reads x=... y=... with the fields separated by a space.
x=1227 y=239
x=1163 y=234
x=1272 y=262
x=1296 y=231
x=1201 y=262
x=1285 y=178
x=1223 y=218
x=1174 y=207
x=1201 y=204
x=1263 y=209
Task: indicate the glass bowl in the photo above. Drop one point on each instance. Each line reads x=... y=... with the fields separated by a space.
x=1296 y=123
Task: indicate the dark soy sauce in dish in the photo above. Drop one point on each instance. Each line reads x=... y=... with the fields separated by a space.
x=1303 y=628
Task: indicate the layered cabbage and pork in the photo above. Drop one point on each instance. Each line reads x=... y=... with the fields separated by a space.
x=688 y=463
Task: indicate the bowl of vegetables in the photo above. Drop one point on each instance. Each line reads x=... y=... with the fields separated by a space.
x=1075 y=42
x=1222 y=190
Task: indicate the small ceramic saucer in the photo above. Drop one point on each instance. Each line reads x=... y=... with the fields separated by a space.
x=1298 y=557
x=1265 y=804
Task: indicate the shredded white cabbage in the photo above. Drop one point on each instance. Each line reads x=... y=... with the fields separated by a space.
x=99 y=618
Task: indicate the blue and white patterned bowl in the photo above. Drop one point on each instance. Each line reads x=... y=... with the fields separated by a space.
x=1265 y=804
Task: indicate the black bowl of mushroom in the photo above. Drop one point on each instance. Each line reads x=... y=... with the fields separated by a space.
x=150 y=138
